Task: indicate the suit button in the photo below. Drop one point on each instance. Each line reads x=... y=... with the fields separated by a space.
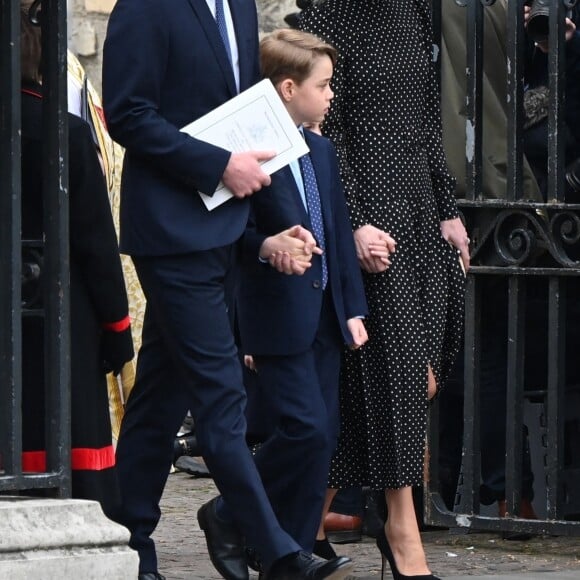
x=316 y=284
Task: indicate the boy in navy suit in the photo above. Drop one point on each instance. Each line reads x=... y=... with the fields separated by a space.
x=295 y=326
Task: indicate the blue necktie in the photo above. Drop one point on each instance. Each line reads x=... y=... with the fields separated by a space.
x=314 y=209
x=220 y=19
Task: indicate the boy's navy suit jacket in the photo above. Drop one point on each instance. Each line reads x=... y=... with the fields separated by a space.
x=279 y=314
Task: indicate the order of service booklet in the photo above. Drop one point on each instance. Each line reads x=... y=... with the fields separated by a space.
x=254 y=120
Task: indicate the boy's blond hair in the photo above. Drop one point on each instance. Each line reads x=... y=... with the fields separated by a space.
x=288 y=53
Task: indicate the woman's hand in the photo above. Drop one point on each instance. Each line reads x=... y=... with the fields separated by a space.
x=373 y=248
x=454 y=232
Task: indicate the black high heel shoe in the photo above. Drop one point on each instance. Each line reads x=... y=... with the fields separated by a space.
x=385 y=549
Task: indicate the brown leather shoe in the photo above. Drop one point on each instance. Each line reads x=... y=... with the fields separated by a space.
x=526 y=509
x=342 y=529
x=526 y=512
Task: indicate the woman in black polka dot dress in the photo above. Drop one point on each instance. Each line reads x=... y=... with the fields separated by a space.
x=385 y=122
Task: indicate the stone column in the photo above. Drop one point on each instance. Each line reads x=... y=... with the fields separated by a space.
x=56 y=539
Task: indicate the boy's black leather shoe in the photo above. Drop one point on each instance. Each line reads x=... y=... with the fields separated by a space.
x=303 y=566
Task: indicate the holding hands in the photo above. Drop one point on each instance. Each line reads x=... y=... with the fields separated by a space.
x=290 y=251
x=373 y=248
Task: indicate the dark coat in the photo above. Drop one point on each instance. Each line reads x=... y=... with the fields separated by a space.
x=98 y=297
x=536 y=135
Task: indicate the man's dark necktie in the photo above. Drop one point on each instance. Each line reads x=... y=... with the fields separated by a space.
x=220 y=19
x=314 y=209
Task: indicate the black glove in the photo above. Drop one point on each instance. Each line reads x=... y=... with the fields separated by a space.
x=116 y=349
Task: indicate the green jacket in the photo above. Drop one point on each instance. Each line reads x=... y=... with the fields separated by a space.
x=453 y=93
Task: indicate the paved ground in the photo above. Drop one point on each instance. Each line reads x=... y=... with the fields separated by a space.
x=182 y=551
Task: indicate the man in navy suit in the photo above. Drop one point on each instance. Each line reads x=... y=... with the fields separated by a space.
x=294 y=327
x=165 y=65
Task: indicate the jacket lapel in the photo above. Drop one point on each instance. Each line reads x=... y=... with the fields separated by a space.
x=296 y=197
x=210 y=28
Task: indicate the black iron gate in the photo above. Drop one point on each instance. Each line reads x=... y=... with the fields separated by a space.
x=41 y=264
x=530 y=250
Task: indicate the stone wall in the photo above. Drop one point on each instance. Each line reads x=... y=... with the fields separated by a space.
x=88 y=25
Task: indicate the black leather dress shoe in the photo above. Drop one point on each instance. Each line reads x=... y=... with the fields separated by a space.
x=151 y=576
x=186 y=445
x=192 y=466
x=224 y=543
x=253 y=560
x=303 y=566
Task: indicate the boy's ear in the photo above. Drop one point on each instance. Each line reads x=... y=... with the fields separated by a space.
x=286 y=89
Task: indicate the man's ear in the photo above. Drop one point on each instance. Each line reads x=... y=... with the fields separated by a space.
x=286 y=88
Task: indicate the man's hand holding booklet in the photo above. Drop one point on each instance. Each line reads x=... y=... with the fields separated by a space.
x=255 y=120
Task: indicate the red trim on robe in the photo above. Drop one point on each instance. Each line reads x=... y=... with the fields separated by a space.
x=32 y=93
x=118 y=326
x=81 y=459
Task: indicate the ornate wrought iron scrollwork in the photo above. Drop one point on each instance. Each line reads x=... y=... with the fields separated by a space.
x=515 y=237
x=565 y=233
x=463 y=3
x=529 y=237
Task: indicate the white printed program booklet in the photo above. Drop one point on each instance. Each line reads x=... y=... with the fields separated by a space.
x=255 y=120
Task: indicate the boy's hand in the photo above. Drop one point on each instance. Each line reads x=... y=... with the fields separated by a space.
x=283 y=262
x=373 y=248
x=249 y=362
x=358 y=331
x=243 y=174
x=290 y=251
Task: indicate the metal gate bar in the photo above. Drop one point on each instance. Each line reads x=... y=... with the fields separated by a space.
x=55 y=273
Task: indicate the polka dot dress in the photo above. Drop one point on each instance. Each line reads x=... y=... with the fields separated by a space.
x=385 y=122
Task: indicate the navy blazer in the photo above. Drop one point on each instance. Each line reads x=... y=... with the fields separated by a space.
x=164 y=66
x=279 y=314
